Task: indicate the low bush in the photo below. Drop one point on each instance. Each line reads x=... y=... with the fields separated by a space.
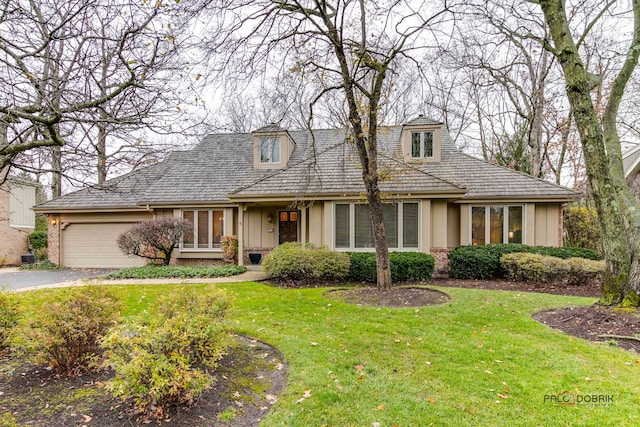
x=42 y=265
x=302 y=264
x=160 y=272
x=584 y=270
x=9 y=317
x=483 y=262
x=39 y=240
x=168 y=358
x=405 y=266
x=66 y=332
x=535 y=268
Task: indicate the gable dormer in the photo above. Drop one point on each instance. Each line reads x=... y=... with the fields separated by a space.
x=272 y=147
x=421 y=140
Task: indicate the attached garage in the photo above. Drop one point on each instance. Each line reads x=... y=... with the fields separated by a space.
x=94 y=246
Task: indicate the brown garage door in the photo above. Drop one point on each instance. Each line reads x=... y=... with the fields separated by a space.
x=94 y=246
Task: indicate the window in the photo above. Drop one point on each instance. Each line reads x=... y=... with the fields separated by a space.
x=270 y=150
x=208 y=228
x=353 y=225
x=422 y=144
x=496 y=224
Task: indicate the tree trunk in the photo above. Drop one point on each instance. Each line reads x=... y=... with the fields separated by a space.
x=56 y=171
x=617 y=214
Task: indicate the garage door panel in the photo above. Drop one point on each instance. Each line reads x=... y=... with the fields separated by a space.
x=94 y=246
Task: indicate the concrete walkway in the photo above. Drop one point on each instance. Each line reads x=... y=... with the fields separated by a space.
x=247 y=276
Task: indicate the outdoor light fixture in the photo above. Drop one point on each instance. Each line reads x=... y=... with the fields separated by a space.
x=54 y=220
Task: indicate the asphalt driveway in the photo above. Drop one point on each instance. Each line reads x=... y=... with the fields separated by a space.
x=14 y=279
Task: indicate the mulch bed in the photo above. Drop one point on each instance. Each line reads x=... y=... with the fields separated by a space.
x=596 y=323
x=250 y=377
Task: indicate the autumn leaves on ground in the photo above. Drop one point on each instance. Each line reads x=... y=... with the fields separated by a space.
x=476 y=359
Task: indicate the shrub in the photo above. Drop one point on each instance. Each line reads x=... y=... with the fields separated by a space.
x=405 y=266
x=38 y=240
x=584 y=270
x=483 y=262
x=306 y=264
x=167 y=359
x=363 y=267
x=581 y=227
x=154 y=239
x=9 y=317
x=182 y=272
x=67 y=331
x=229 y=246
x=528 y=267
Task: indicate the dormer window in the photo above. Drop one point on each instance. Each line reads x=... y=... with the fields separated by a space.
x=421 y=140
x=272 y=147
x=270 y=150
x=422 y=144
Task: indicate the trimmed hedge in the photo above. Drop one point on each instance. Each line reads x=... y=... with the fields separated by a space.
x=293 y=262
x=405 y=266
x=151 y=271
x=528 y=267
x=483 y=262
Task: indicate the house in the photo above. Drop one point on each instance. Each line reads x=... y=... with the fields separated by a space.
x=273 y=186
x=631 y=165
x=17 y=220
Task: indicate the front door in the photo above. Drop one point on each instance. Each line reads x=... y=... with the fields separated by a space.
x=288 y=227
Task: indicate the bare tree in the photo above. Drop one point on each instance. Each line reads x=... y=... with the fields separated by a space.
x=76 y=73
x=350 y=47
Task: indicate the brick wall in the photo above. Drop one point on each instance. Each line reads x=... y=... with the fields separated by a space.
x=262 y=251
x=442 y=262
x=13 y=241
x=53 y=249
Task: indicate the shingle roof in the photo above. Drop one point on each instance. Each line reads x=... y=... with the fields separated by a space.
x=324 y=164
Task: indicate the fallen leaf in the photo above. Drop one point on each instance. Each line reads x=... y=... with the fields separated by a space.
x=376 y=424
x=380 y=407
x=587 y=379
x=432 y=400
x=300 y=400
x=359 y=368
x=314 y=343
x=236 y=394
x=488 y=372
x=306 y=394
x=87 y=418
x=504 y=396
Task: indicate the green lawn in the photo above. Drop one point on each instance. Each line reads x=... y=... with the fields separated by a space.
x=478 y=360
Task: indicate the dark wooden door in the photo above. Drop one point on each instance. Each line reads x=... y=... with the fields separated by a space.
x=287 y=226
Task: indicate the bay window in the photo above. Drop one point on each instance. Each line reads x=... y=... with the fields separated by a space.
x=353 y=230
x=496 y=224
x=208 y=228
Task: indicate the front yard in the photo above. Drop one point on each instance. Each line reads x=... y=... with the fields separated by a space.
x=478 y=359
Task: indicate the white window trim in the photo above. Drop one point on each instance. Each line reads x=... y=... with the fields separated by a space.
x=210 y=247
x=400 y=221
x=505 y=222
